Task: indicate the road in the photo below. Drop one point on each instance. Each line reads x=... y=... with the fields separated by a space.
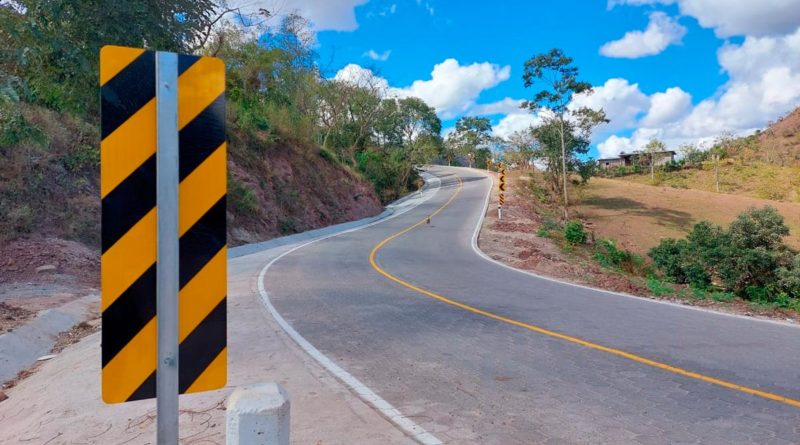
x=477 y=353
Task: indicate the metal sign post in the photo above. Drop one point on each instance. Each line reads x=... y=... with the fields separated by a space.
x=167 y=261
x=163 y=264
x=502 y=186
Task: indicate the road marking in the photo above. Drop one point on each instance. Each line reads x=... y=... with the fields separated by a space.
x=559 y=335
x=363 y=392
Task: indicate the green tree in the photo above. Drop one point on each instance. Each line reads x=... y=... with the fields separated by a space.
x=653 y=148
x=54 y=44
x=554 y=141
x=559 y=81
x=471 y=134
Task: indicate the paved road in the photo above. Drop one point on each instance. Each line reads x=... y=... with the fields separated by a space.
x=469 y=378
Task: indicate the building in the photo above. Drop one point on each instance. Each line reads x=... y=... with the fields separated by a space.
x=637 y=158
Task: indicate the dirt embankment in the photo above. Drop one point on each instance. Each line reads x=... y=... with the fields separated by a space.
x=50 y=205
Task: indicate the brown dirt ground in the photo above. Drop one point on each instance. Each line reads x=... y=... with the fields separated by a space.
x=514 y=241
x=638 y=216
x=24 y=291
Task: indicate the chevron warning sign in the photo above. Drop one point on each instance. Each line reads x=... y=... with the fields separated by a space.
x=129 y=223
x=502 y=183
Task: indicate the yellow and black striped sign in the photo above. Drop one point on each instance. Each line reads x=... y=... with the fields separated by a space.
x=128 y=192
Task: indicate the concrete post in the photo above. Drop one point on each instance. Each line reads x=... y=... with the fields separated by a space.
x=258 y=415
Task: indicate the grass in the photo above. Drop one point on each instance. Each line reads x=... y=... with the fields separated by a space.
x=638 y=216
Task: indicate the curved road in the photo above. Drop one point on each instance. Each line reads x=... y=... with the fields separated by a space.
x=503 y=357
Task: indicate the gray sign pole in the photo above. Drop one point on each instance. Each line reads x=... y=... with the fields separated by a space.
x=167 y=256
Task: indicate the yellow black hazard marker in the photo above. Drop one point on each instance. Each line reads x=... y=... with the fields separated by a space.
x=129 y=223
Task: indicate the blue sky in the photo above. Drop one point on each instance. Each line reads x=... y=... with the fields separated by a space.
x=679 y=70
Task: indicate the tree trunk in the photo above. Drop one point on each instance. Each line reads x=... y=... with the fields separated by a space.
x=652 y=169
x=564 y=168
x=716 y=170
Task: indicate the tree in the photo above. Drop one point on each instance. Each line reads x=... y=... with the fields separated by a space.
x=54 y=44
x=471 y=134
x=559 y=80
x=653 y=148
x=720 y=150
x=519 y=147
x=558 y=151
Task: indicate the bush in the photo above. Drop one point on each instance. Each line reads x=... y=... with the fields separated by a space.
x=608 y=255
x=658 y=287
x=574 y=233
x=749 y=259
x=242 y=198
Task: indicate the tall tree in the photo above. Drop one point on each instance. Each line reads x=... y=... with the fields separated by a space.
x=558 y=79
x=54 y=44
x=471 y=134
x=653 y=149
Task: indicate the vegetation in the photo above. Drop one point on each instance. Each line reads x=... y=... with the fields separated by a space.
x=471 y=139
x=566 y=130
x=277 y=99
x=749 y=259
x=574 y=232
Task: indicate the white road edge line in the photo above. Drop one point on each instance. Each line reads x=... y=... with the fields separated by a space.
x=483 y=255
x=369 y=396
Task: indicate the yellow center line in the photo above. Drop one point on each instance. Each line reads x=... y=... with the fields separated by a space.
x=554 y=334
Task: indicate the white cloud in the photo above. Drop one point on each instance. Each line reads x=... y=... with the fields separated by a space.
x=358 y=75
x=764 y=84
x=374 y=55
x=622 y=102
x=735 y=17
x=515 y=122
x=661 y=32
x=504 y=106
x=748 y=17
x=333 y=15
x=667 y=107
x=452 y=88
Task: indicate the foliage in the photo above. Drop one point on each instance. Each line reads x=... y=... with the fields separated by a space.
x=471 y=139
x=558 y=78
x=748 y=259
x=574 y=232
x=608 y=255
x=586 y=169
x=53 y=44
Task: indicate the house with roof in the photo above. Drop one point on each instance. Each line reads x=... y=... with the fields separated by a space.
x=639 y=158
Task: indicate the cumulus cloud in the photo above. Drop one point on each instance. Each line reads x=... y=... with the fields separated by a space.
x=452 y=88
x=622 y=102
x=735 y=17
x=515 y=122
x=374 y=55
x=667 y=107
x=504 y=106
x=333 y=15
x=661 y=32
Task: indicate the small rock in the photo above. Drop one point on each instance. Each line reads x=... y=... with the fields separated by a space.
x=3 y=396
x=45 y=268
x=45 y=357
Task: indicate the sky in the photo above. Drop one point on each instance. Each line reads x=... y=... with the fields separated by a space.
x=683 y=71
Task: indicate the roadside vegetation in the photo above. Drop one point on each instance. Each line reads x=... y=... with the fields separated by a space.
x=301 y=144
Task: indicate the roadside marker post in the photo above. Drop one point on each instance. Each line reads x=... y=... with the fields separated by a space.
x=163 y=185
x=501 y=199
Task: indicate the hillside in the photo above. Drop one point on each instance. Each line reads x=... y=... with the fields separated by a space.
x=49 y=185
x=639 y=215
x=764 y=165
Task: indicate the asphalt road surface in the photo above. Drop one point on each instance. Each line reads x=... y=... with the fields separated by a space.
x=478 y=353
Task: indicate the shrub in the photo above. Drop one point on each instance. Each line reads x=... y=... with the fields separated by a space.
x=574 y=233
x=608 y=255
x=242 y=198
x=658 y=287
x=749 y=259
